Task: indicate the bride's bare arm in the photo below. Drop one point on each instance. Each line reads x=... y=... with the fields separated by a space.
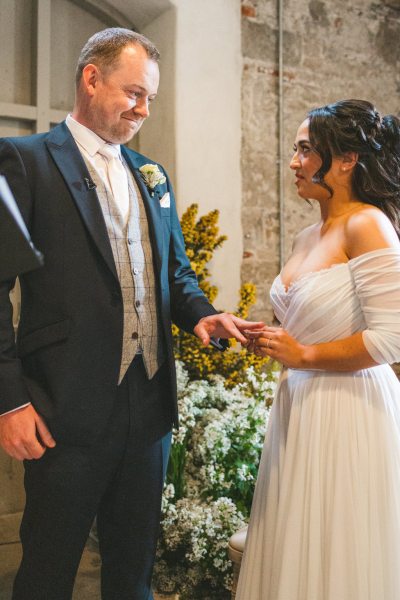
x=348 y=354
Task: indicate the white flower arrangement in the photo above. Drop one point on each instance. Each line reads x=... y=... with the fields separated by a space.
x=152 y=176
x=211 y=477
x=196 y=532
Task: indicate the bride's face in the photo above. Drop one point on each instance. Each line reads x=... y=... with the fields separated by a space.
x=305 y=163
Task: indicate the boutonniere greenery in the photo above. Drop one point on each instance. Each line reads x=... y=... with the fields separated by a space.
x=152 y=176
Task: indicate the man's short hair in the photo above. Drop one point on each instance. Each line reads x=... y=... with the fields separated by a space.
x=104 y=48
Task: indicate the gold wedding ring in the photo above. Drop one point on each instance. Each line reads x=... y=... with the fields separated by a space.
x=268 y=343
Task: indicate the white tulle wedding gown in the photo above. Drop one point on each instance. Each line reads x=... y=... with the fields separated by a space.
x=325 y=521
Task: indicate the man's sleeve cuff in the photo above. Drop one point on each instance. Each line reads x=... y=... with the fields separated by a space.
x=14 y=409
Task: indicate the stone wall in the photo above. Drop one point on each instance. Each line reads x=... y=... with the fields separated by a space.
x=333 y=49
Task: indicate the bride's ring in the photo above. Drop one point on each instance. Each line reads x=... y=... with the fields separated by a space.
x=268 y=342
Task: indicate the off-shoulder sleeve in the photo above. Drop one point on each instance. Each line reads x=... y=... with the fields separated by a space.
x=377 y=279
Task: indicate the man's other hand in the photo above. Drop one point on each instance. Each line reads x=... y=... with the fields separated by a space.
x=24 y=434
x=224 y=325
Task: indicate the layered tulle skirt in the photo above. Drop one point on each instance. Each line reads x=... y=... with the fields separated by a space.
x=325 y=522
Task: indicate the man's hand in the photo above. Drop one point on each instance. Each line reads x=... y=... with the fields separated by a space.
x=24 y=434
x=224 y=325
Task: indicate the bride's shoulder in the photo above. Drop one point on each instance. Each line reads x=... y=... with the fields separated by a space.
x=369 y=229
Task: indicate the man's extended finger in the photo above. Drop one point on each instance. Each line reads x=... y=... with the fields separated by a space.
x=243 y=324
x=44 y=432
x=234 y=332
x=253 y=335
x=201 y=332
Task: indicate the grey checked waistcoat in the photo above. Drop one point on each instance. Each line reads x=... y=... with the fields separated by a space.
x=133 y=257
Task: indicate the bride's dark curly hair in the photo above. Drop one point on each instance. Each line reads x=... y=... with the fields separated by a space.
x=356 y=126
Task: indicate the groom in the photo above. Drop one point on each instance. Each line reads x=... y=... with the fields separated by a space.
x=88 y=393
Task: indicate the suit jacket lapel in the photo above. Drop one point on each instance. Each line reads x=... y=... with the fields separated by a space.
x=68 y=159
x=151 y=203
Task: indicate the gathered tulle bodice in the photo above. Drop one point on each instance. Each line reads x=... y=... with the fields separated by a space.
x=304 y=307
x=343 y=299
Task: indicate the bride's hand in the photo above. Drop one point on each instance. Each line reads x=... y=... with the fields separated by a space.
x=278 y=344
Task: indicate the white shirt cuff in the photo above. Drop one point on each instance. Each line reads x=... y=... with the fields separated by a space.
x=14 y=409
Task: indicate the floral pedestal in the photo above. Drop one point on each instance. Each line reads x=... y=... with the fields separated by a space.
x=235 y=552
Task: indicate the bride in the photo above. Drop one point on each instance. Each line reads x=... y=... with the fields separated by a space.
x=325 y=521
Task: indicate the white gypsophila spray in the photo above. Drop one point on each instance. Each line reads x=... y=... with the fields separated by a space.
x=213 y=468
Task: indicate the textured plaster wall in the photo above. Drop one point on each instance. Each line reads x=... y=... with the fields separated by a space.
x=195 y=130
x=332 y=50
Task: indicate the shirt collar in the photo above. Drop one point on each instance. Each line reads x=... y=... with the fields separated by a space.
x=86 y=138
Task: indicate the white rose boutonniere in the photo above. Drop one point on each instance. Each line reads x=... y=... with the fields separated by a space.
x=152 y=176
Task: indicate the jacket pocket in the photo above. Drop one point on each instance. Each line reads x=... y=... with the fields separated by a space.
x=39 y=398
x=45 y=336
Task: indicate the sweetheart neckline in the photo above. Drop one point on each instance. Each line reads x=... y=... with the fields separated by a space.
x=365 y=255
x=308 y=274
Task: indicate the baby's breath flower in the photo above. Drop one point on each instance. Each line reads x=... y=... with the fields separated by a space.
x=221 y=433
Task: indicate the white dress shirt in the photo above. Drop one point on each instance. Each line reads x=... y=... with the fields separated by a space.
x=94 y=149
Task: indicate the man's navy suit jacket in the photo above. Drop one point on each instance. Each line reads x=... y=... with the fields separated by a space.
x=67 y=356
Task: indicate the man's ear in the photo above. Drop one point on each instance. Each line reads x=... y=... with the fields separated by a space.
x=90 y=78
x=349 y=161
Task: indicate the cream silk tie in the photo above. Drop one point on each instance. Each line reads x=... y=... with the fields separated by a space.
x=117 y=178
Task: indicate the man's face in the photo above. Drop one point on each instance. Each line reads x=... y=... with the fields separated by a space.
x=121 y=94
